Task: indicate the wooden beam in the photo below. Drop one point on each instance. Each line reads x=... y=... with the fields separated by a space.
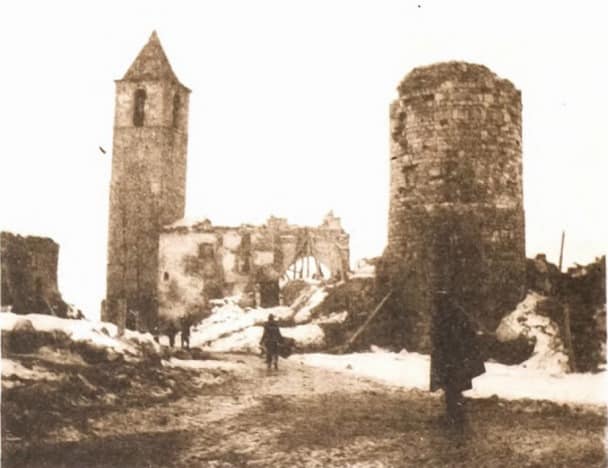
x=307 y=267
x=301 y=267
x=369 y=319
x=319 y=269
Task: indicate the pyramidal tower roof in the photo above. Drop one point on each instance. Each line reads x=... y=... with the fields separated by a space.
x=151 y=63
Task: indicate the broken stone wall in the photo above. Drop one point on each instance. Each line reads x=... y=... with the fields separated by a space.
x=196 y=264
x=456 y=218
x=583 y=291
x=29 y=275
x=199 y=262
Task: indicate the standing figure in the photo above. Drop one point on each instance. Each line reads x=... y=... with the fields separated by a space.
x=171 y=331
x=185 y=337
x=271 y=341
x=455 y=356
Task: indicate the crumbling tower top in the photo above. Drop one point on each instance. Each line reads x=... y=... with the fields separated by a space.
x=441 y=75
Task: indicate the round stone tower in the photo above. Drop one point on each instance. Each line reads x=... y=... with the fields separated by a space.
x=456 y=218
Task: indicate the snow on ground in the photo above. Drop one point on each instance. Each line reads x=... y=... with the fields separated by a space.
x=102 y=334
x=309 y=335
x=198 y=364
x=412 y=370
x=549 y=353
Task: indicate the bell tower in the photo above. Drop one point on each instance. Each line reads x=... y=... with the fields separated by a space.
x=148 y=183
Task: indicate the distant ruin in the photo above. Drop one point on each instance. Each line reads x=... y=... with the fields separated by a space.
x=456 y=218
x=200 y=261
x=29 y=275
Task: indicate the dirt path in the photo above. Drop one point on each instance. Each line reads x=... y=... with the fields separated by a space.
x=301 y=416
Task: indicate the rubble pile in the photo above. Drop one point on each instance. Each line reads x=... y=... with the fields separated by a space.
x=527 y=321
x=232 y=328
x=576 y=302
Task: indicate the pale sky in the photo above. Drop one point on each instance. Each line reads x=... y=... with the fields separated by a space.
x=289 y=112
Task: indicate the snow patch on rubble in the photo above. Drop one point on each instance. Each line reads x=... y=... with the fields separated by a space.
x=11 y=368
x=230 y=318
x=248 y=340
x=231 y=328
x=102 y=334
x=304 y=314
x=243 y=341
x=334 y=317
x=549 y=353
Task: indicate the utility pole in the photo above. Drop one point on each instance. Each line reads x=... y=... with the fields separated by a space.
x=561 y=252
x=567 y=328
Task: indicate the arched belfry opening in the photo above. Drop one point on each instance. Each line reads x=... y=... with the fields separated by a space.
x=139 y=107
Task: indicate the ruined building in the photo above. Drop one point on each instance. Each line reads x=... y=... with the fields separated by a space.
x=157 y=263
x=148 y=181
x=456 y=218
x=29 y=275
x=200 y=261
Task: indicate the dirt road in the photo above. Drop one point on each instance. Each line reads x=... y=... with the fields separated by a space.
x=300 y=416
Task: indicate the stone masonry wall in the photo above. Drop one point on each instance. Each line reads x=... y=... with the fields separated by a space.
x=29 y=275
x=456 y=218
x=147 y=192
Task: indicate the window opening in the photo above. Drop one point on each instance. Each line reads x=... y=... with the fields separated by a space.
x=139 y=107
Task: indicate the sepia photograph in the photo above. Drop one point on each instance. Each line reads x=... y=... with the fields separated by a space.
x=303 y=234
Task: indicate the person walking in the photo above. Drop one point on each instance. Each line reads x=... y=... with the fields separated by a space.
x=455 y=356
x=271 y=342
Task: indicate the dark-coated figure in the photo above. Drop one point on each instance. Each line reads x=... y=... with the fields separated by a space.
x=171 y=331
x=271 y=342
x=455 y=355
